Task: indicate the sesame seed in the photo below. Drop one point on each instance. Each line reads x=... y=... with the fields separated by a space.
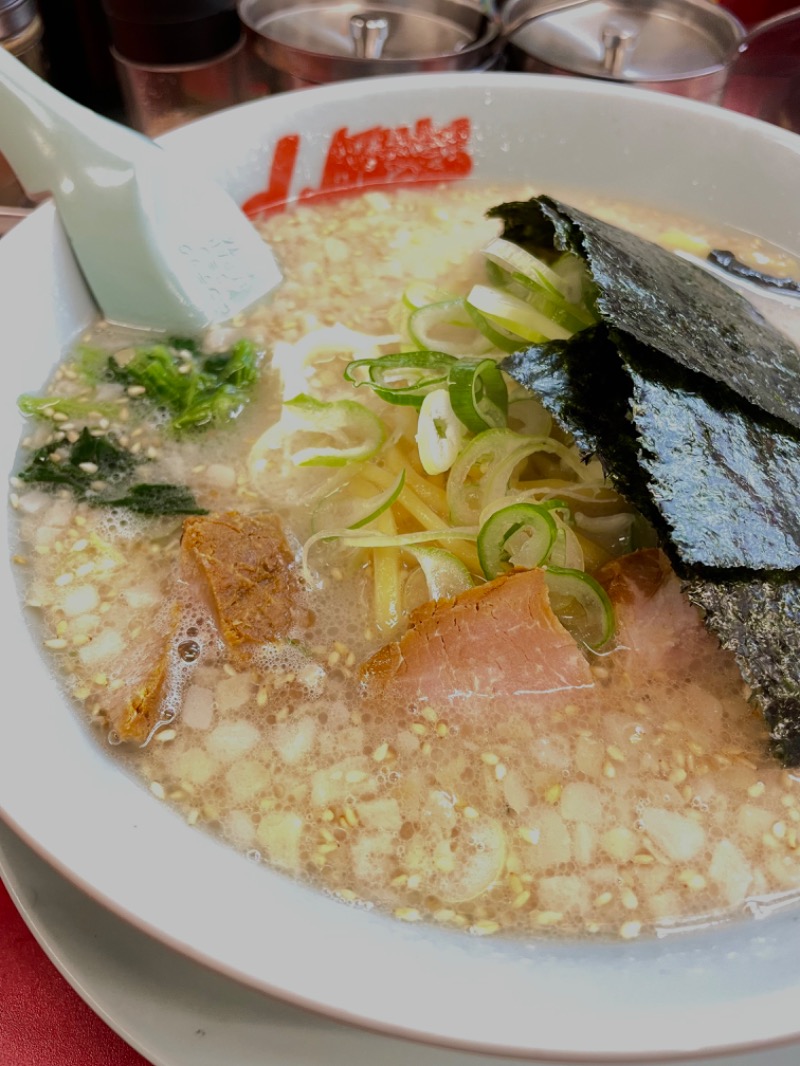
x=530 y=835
x=166 y=735
x=603 y=899
x=418 y=729
x=353 y=777
x=629 y=899
x=500 y=771
x=779 y=830
x=470 y=812
x=414 y=881
x=613 y=752
x=548 y=917
x=408 y=914
x=677 y=777
x=490 y=758
x=521 y=899
x=157 y=790
x=553 y=794
x=56 y=644
x=429 y=714
x=692 y=879
x=758 y=789
x=380 y=752
x=484 y=927
x=630 y=930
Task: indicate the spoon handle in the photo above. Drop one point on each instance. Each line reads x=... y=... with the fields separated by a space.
x=45 y=135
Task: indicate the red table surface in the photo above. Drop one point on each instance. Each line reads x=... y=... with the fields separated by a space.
x=43 y=1022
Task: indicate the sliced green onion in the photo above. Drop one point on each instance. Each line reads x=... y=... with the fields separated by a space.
x=571 y=317
x=479 y=395
x=511 y=313
x=340 y=511
x=440 y=432
x=357 y=432
x=573 y=276
x=447 y=327
x=446 y=576
x=498 y=477
x=614 y=533
x=402 y=378
x=529 y=415
x=365 y=538
x=524 y=266
x=520 y=534
x=501 y=338
x=465 y=493
x=581 y=604
x=421 y=293
x=566 y=550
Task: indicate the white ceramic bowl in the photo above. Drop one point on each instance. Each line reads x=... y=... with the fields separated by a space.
x=728 y=987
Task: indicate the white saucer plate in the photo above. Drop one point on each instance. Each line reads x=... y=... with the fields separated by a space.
x=177 y=1013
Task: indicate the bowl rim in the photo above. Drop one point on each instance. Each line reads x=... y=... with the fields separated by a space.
x=419 y=948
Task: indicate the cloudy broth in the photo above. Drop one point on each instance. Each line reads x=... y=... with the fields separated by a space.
x=645 y=801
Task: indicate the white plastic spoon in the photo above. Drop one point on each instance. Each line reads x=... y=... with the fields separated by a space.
x=160 y=246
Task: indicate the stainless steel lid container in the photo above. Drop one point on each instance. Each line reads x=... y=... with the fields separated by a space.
x=683 y=47
x=318 y=41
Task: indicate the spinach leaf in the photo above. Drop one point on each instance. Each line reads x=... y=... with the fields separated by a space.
x=94 y=466
x=155 y=499
x=196 y=390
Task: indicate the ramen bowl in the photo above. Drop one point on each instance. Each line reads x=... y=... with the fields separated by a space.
x=714 y=987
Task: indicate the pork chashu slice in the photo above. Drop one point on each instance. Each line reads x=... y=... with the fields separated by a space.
x=245 y=568
x=248 y=570
x=499 y=640
x=659 y=633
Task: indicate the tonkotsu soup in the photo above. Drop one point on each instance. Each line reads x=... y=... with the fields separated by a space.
x=372 y=619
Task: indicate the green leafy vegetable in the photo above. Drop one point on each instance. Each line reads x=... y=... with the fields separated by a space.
x=155 y=499
x=93 y=467
x=80 y=465
x=47 y=407
x=196 y=390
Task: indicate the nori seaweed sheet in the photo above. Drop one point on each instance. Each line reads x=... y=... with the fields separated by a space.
x=724 y=476
x=583 y=384
x=669 y=304
x=757 y=617
x=717 y=478
x=692 y=402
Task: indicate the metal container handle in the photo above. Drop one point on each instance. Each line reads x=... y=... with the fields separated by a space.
x=768 y=24
x=547 y=8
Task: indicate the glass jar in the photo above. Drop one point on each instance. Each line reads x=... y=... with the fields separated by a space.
x=20 y=34
x=177 y=59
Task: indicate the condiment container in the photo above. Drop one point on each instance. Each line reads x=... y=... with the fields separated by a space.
x=295 y=45
x=176 y=59
x=683 y=47
x=765 y=79
x=21 y=35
